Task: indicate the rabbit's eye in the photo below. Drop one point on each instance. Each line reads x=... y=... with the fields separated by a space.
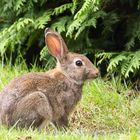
x=78 y=63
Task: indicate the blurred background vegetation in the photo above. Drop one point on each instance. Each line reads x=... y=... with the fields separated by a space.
x=107 y=31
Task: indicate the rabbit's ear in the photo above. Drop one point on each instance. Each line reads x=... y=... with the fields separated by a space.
x=55 y=44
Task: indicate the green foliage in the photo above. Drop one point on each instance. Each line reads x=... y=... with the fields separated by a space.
x=49 y=61
x=61 y=9
x=122 y=63
x=14 y=35
x=87 y=16
x=61 y=24
x=88 y=26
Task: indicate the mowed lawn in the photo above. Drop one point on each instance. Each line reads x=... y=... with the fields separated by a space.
x=103 y=113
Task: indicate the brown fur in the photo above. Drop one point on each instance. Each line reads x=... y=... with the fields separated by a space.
x=35 y=98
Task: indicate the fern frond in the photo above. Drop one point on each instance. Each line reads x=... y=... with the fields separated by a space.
x=8 y=5
x=41 y=21
x=61 y=24
x=46 y=57
x=123 y=63
x=74 y=7
x=22 y=22
x=104 y=55
x=91 y=22
x=124 y=66
x=133 y=33
x=62 y=8
x=133 y=64
x=85 y=17
x=115 y=61
x=88 y=4
x=19 y=4
x=15 y=34
x=75 y=25
x=130 y=43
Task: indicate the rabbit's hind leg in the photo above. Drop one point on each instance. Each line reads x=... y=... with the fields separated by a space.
x=32 y=110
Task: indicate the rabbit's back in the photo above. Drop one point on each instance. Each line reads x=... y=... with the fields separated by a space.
x=24 y=85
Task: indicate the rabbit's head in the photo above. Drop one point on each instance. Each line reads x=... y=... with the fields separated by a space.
x=75 y=66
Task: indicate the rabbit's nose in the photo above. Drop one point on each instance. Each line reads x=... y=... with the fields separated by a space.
x=93 y=73
x=97 y=73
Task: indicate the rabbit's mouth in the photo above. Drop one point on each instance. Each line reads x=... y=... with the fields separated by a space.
x=92 y=74
x=89 y=79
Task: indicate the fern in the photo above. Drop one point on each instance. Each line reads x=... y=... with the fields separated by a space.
x=85 y=17
x=8 y=5
x=47 y=59
x=14 y=35
x=62 y=8
x=21 y=23
x=42 y=20
x=76 y=24
x=133 y=33
x=61 y=24
x=89 y=23
x=74 y=7
x=133 y=64
x=88 y=4
x=103 y=56
x=19 y=4
x=124 y=66
x=122 y=63
x=115 y=61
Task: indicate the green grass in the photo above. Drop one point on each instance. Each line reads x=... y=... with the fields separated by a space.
x=14 y=134
x=101 y=114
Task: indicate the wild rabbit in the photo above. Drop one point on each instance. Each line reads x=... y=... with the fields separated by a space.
x=35 y=98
